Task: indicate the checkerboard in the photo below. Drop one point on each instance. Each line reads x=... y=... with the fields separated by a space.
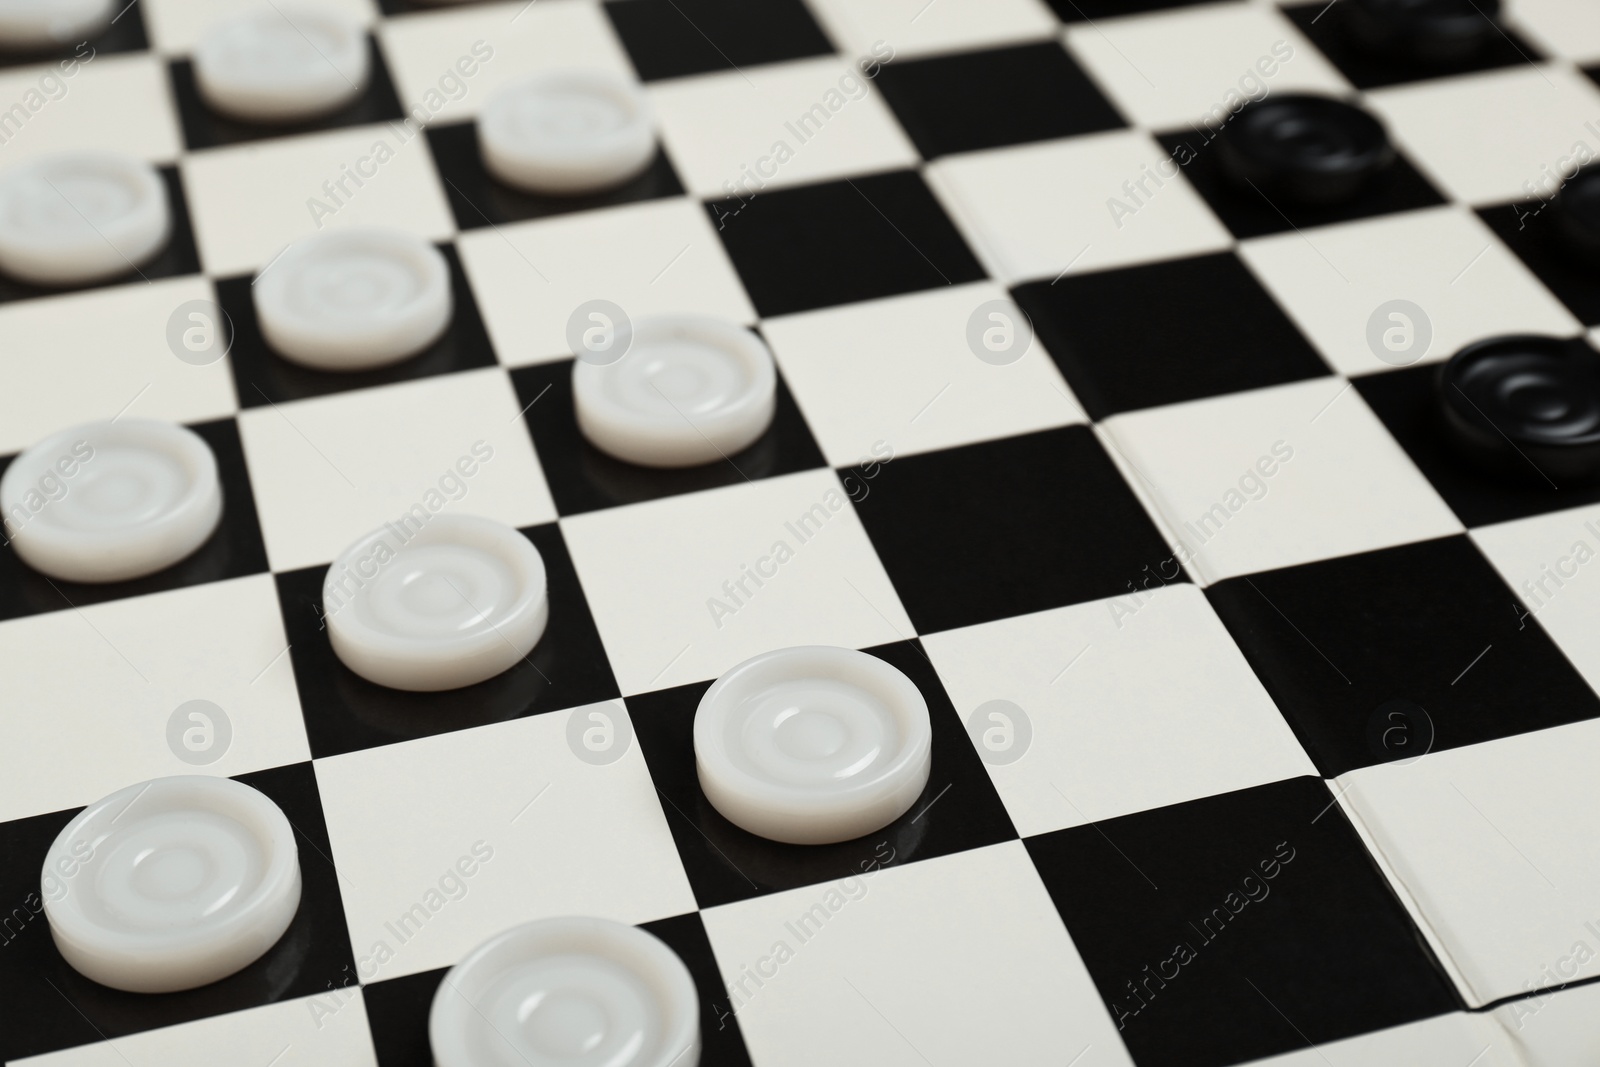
x=1296 y=752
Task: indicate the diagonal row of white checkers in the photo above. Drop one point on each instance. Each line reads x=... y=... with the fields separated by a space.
x=1125 y=725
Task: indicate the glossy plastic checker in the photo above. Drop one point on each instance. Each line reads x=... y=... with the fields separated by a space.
x=1263 y=727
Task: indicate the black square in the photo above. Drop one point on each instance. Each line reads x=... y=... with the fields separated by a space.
x=125 y=34
x=1529 y=229
x=345 y=713
x=478 y=200
x=205 y=128
x=1088 y=10
x=1247 y=213
x=582 y=478
x=178 y=258
x=974 y=100
x=1407 y=402
x=671 y=38
x=261 y=376
x=1166 y=332
x=1337 y=642
x=312 y=955
x=1325 y=24
x=840 y=242
x=397 y=1010
x=958 y=809
x=234 y=550
x=1238 y=926
x=1009 y=527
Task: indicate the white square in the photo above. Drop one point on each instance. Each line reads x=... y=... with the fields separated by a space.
x=1044 y=210
x=320 y=1031
x=1175 y=67
x=655 y=258
x=1485 y=841
x=500 y=44
x=1122 y=697
x=911 y=28
x=1555 y=1029
x=1500 y=135
x=1459 y=1039
x=113 y=103
x=124 y=667
x=742 y=131
x=899 y=373
x=175 y=25
x=1275 y=477
x=662 y=578
x=54 y=372
x=446 y=841
x=328 y=470
x=1546 y=560
x=962 y=958
x=1332 y=280
x=1566 y=28
x=250 y=201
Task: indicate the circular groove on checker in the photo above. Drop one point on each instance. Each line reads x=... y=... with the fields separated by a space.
x=79 y=217
x=30 y=25
x=111 y=501
x=813 y=745
x=351 y=300
x=577 y=991
x=567 y=133
x=427 y=603
x=1525 y=406
x=281 y=65
x=171 y=884
x=1305 y=149
x=688 y=391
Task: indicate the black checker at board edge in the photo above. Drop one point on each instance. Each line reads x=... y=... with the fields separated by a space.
x=1526 y=407
x=1305 y=148
x=1354 y=40
x=1443 y=32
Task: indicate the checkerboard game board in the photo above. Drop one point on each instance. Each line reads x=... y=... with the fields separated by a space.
x=1297 y=756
